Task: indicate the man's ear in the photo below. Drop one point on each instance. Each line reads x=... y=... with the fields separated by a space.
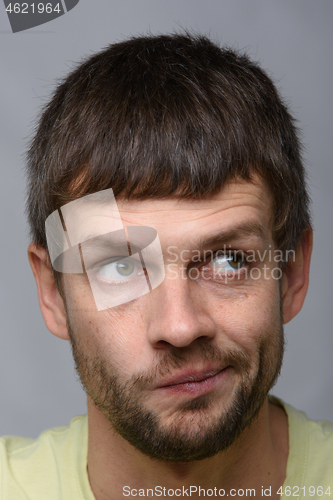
x=50 y=300
x=295 y=279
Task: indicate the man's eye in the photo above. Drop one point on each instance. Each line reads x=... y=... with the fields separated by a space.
x=115 y=271
x=227 y=263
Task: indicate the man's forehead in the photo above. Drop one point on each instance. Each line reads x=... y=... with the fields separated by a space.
x=240 y=202
x=237 y=198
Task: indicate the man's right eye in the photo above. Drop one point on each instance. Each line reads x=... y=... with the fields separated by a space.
x=120 y=270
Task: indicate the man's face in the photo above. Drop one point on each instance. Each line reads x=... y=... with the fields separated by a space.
x=181 y=371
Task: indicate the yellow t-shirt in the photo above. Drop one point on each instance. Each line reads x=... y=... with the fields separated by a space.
x=54 y=467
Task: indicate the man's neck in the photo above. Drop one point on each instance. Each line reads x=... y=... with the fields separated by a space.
x=256 y=460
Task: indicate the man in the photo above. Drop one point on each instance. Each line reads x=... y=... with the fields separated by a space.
x=171 y=240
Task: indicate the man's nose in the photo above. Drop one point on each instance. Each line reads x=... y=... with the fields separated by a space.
x=178 y=314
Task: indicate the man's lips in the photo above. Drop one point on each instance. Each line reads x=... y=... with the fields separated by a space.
x=191 y=381
x=190 y=376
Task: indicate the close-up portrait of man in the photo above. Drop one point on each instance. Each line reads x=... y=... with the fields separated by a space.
x=170 y=242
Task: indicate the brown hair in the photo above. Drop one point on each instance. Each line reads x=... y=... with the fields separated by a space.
x=166 y=116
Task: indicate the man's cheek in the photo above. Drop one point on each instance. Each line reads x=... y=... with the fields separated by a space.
x=245 y=322
x=78 y=295
x=116 y=339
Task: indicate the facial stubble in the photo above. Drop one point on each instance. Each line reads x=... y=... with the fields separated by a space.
x=194 y=433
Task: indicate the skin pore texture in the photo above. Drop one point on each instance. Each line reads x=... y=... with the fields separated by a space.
x=177 y=380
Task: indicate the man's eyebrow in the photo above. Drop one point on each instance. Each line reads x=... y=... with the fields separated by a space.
x=110 y=241
x=249 y=228
x=119 y=242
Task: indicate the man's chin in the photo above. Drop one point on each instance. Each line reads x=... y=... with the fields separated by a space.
x=191 y=436
x=199 y=429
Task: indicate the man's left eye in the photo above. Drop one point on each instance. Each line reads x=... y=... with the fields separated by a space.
x=227 y=263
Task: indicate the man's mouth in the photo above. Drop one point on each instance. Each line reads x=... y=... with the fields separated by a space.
x=194 y=382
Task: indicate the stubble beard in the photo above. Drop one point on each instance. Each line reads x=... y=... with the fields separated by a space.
x=194 y=433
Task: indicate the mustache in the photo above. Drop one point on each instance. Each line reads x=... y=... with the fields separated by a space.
x=177 y=358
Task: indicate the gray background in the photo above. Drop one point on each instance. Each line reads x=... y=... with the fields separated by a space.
x=293 y=41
